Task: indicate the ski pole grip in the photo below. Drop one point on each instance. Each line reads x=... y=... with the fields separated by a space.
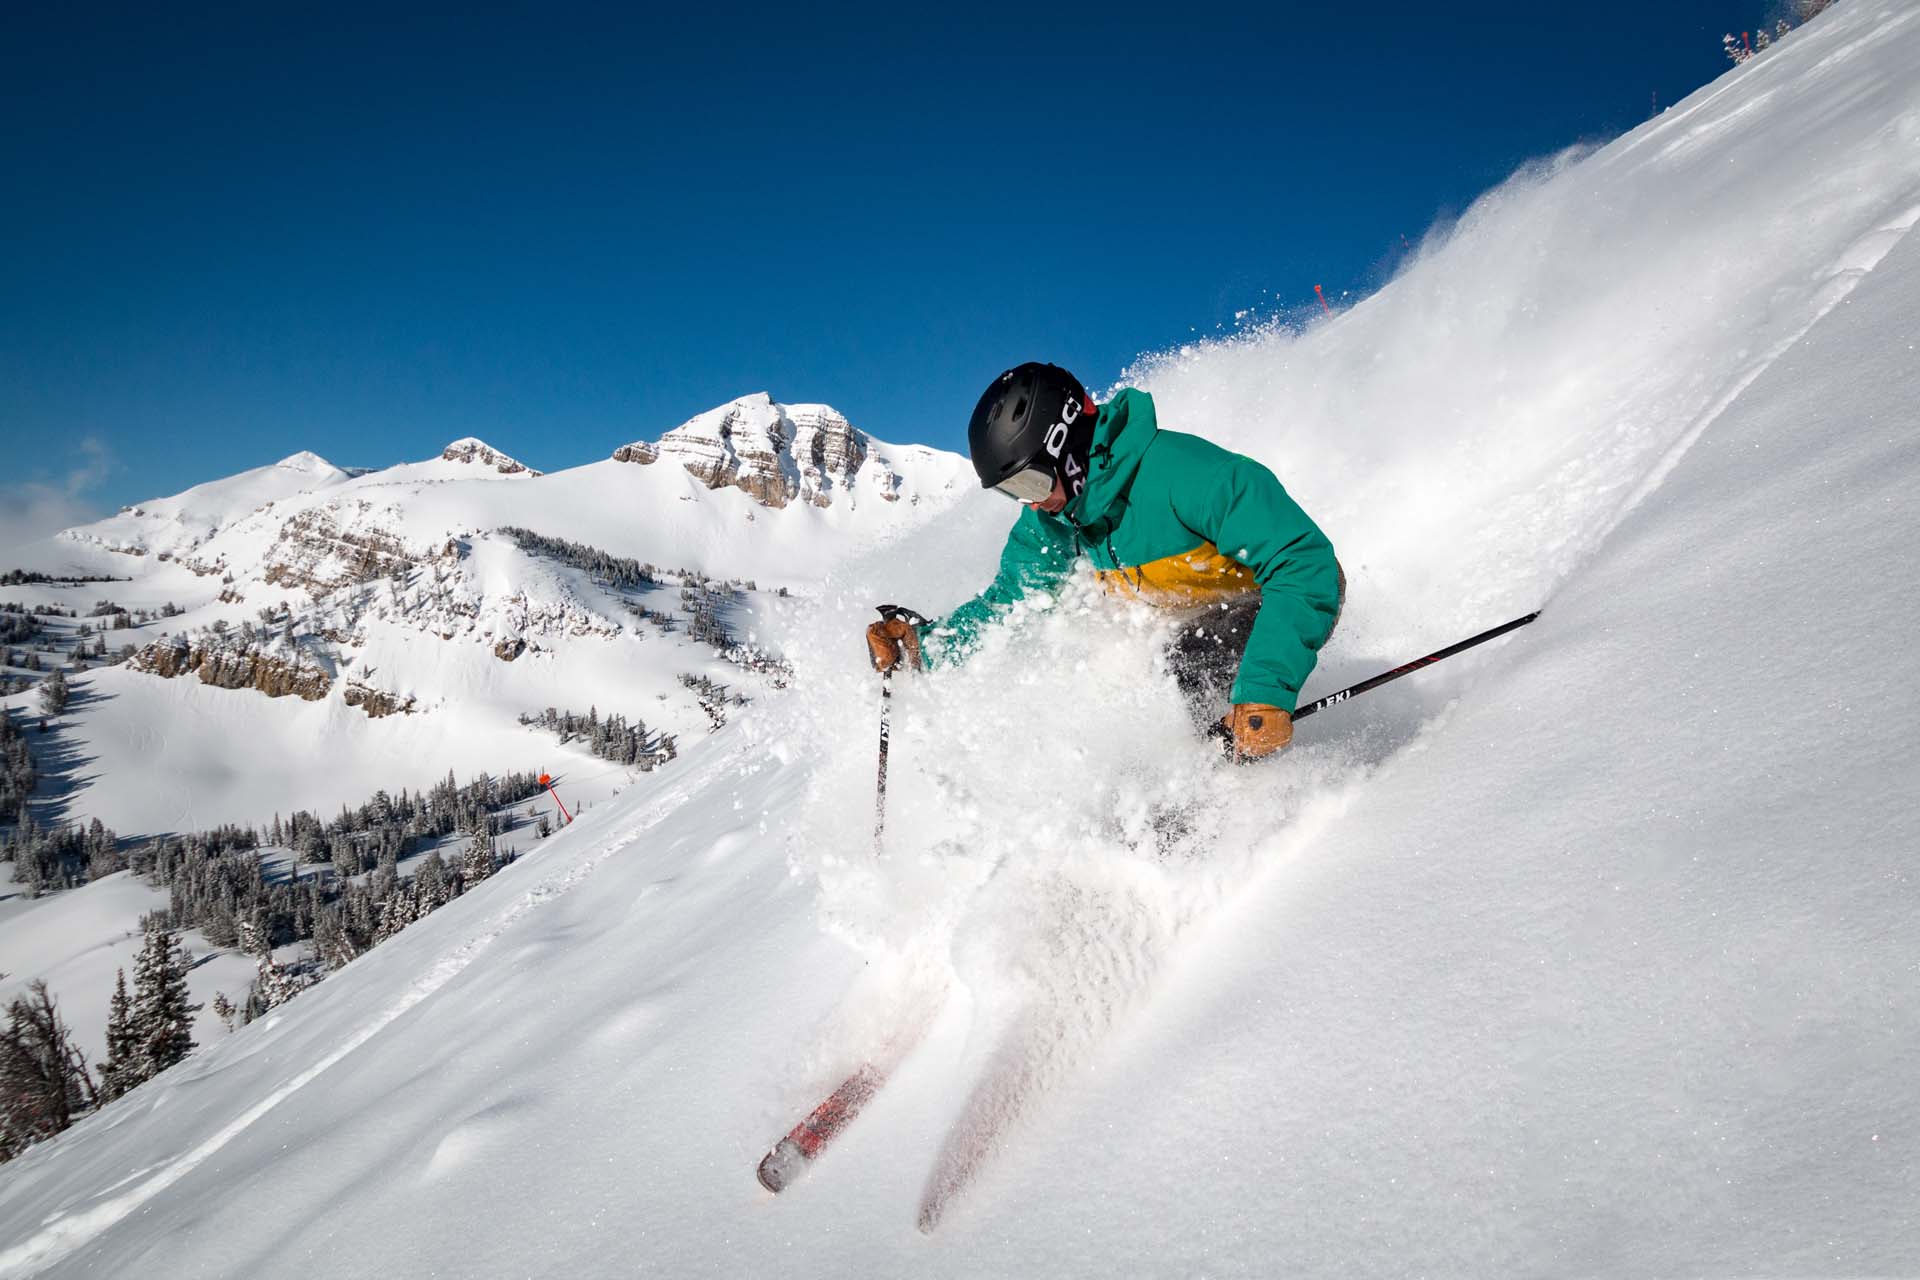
x=889 y=612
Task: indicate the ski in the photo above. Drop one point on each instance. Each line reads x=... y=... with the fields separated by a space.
x=1022 y=1070
x=795 y=1153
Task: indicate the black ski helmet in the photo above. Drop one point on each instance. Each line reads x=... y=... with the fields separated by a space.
x=1014 y=421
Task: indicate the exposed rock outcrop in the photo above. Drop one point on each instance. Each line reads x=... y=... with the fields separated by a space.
x=774 y=452
x=376 y=702
x=480 y=454
x=233 y=668
x=317 y=553
x=509 y=649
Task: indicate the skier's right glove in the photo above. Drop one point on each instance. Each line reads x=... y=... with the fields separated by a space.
x=1254 y=731
x=888 y=641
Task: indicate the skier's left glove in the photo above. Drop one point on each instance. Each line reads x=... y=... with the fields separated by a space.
x=891 y=642
x=1254 y=730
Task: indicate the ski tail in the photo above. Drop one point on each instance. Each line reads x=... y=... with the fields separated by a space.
x=1012 y=1084
x=791 y=1156
x=794 y=1154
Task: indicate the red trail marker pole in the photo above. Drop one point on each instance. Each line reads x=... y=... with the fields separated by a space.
x=1323 y=300
x=547 y=782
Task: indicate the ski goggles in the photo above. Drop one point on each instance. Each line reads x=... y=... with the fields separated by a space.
x=1032 y=483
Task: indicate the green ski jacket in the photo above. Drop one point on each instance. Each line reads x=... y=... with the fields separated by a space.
x=1181 y=523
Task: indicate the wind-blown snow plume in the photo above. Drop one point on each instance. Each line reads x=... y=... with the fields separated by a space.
x=1469 y=435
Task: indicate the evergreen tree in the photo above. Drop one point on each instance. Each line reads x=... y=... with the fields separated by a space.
x=121 y=1071
x=162 y=1014
x=330 y=939
x=396 y=910
x=432 y=884
x=273 y=986
x=44 y=1082
x=478 y=862
x=54 y=693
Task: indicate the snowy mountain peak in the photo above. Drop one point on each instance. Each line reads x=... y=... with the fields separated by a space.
x=308 y=463
x=176 y=525
x=775 y=452
x=478 y=453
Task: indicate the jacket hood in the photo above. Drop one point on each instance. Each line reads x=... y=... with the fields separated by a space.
x=1125 y=428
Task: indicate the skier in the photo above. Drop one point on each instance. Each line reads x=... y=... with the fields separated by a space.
x=1167 y=518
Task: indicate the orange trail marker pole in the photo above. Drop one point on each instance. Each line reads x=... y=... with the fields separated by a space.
x=1323 y=300
x=547 y=782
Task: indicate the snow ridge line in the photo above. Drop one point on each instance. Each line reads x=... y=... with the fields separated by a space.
x=63 y=1234
x=1855 y=263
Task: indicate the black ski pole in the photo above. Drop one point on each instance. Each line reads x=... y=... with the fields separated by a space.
x=888 y=612
x=1358 y=689
x=880 y=789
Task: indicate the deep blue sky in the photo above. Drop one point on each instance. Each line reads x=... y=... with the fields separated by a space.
x=226 y=237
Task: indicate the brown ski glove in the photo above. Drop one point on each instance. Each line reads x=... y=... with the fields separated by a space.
x=887 y=641
x=1257 y=730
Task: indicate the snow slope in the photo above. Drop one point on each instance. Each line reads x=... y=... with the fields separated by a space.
x=1588 y=953
x=178 y=524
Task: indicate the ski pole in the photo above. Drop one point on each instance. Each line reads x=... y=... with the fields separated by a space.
x=1358 y=689
x=880 y=786
x=889 y=612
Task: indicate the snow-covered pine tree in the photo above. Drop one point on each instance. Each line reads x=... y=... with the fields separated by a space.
x=477 y=863
x=360 y=914
x=122 y=1069
x=330 y=939
x=162 y=1012
x=273 y=986
x=54 y=693
x=432 y=884
x=396 y=910
x=346 y=858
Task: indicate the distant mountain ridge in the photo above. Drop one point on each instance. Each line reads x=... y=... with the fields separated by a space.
x=402 y=608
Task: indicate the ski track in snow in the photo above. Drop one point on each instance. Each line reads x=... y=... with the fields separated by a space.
x=63 y=1233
